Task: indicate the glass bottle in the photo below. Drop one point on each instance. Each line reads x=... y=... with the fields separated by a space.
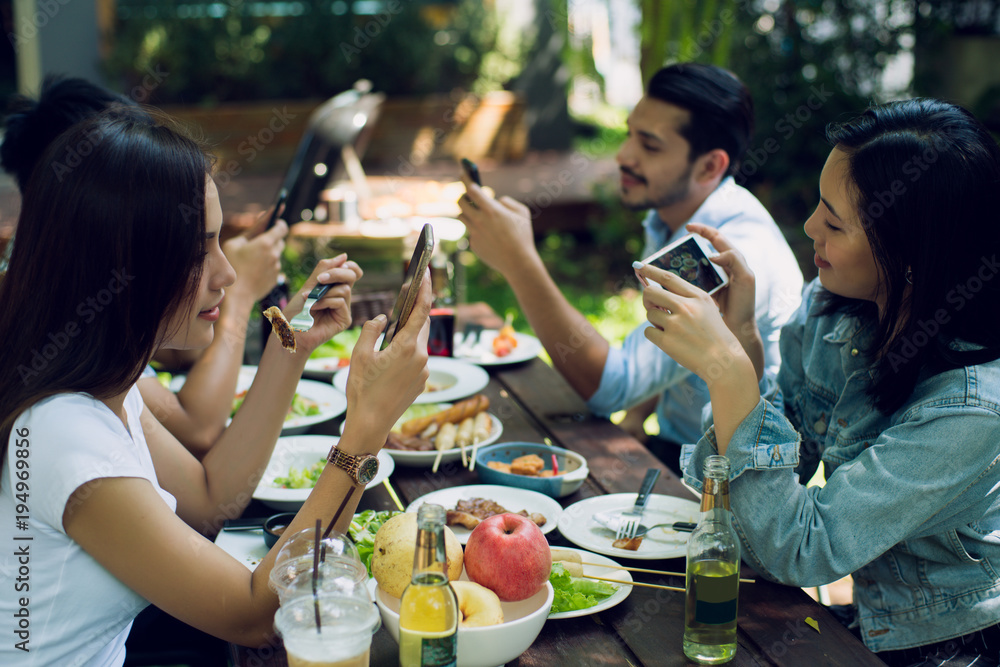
x=428 y=609
x=713 y=570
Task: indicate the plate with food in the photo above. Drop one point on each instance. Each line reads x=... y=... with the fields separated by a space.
x=296 y=464
x=313 y=402
x=496 y=347
x=467 y=506
x=576 y=595
x=450 y=380
x=578 y=525
x=414 y=439
x=333 y=355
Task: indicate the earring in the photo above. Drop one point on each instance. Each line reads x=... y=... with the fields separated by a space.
x=909 y=276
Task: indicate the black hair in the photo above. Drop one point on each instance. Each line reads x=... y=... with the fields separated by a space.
x=110 y=244
x=720 y=105
x=31 y=125
x=924 y=175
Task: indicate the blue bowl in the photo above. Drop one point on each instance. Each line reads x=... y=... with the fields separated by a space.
x=561 y=485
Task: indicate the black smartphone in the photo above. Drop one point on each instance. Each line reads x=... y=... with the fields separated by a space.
x=278 y=205
x=472 y=170
x=407 y=297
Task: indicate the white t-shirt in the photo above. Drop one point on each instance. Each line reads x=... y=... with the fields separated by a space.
x=65 y=608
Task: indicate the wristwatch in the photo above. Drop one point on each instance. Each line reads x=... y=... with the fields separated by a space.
x=361 y=468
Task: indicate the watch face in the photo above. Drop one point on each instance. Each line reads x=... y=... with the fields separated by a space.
x=368 y=470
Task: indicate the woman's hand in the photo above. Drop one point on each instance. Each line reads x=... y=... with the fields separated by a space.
x=383 y=383
x=687 y=325
x=256 y=258
x=332 y=313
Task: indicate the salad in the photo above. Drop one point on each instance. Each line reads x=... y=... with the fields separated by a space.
x=572 y=593
x=362 y=532
x=301 y=478
x=300 y=407
x=340 y=346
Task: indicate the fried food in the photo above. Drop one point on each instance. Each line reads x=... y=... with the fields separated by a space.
x=282 y=329
x=529 y=464
x=629 y=543
x=457 y=413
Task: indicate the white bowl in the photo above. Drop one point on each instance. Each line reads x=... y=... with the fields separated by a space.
x=490 y=645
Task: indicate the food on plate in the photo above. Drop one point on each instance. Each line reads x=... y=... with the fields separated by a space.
x=572 y=593
x=362 y=531
x=471 y=512
x=428 y=425
x=406 y=443
x=505 y=342
x=529 y=465
x=301 y=478
x=339 y=347
x=300 y=407
x=393 y=549
x=509 y=555
x=282 y=329
x=627 y=543
x=479 y=605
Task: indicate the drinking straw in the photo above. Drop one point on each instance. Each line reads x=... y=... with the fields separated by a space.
x=555 y=466
x=315 y=575
x=336 y=515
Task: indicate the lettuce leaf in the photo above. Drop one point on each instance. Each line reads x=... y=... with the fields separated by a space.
x=362 y=531
x=572 y=594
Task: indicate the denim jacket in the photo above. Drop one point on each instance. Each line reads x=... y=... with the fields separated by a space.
x=911 y=505
x=639 y=369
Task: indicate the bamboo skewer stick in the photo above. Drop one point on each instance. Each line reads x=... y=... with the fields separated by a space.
x=635 y=583
x=667 y=574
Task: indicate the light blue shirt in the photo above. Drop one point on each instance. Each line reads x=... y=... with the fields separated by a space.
x=911 y=505
x=639 y=369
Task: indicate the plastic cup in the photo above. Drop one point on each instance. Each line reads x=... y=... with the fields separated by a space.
x=343 y=638
x=303 y=543
x=292 y=578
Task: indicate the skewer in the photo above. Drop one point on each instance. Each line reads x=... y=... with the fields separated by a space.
x=392 y=494
x=660 y=572
x=472 y=460
x=437 y=460
x=635 y=583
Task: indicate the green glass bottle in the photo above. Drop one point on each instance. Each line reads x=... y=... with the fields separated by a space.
x=713 y=571
x=428 y=609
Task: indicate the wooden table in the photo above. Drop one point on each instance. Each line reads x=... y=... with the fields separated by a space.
x=534 y=402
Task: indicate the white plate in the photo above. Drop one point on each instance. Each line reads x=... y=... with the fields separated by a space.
x=459 y=379
x=332 y=403
x=591 y=566
x=416 y=459
x=299 y=452
x=481 y=353
x=510 y=497
x=578 y=526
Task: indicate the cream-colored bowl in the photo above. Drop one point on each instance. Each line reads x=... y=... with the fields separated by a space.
x=490 y=645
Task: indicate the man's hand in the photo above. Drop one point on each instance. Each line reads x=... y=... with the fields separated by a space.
x=500 y=231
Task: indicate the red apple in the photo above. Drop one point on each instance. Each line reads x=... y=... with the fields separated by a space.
x=508 y=554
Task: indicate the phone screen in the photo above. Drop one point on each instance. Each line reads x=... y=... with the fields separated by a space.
x=403 y=306
x=276 y=213
x=688 y=261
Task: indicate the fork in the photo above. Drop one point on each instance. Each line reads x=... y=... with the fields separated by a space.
x=470 y=336
x=630 y=518
x=304 y=319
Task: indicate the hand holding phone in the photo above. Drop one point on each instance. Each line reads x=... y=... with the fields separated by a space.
x=688 y=258
x=407 y=297
x=278 y=206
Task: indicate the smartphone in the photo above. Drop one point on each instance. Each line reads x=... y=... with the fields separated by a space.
x=688 y=257
x=472 y=170
x=407 y=297
x=278 y=205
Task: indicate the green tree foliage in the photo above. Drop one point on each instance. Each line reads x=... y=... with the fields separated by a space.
x=241 y=50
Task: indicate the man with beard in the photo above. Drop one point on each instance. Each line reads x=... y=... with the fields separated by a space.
x=685 y=140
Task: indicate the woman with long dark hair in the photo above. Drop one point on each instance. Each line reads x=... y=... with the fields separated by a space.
x=118 y=256
x=890 y=376
x=198 y=412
